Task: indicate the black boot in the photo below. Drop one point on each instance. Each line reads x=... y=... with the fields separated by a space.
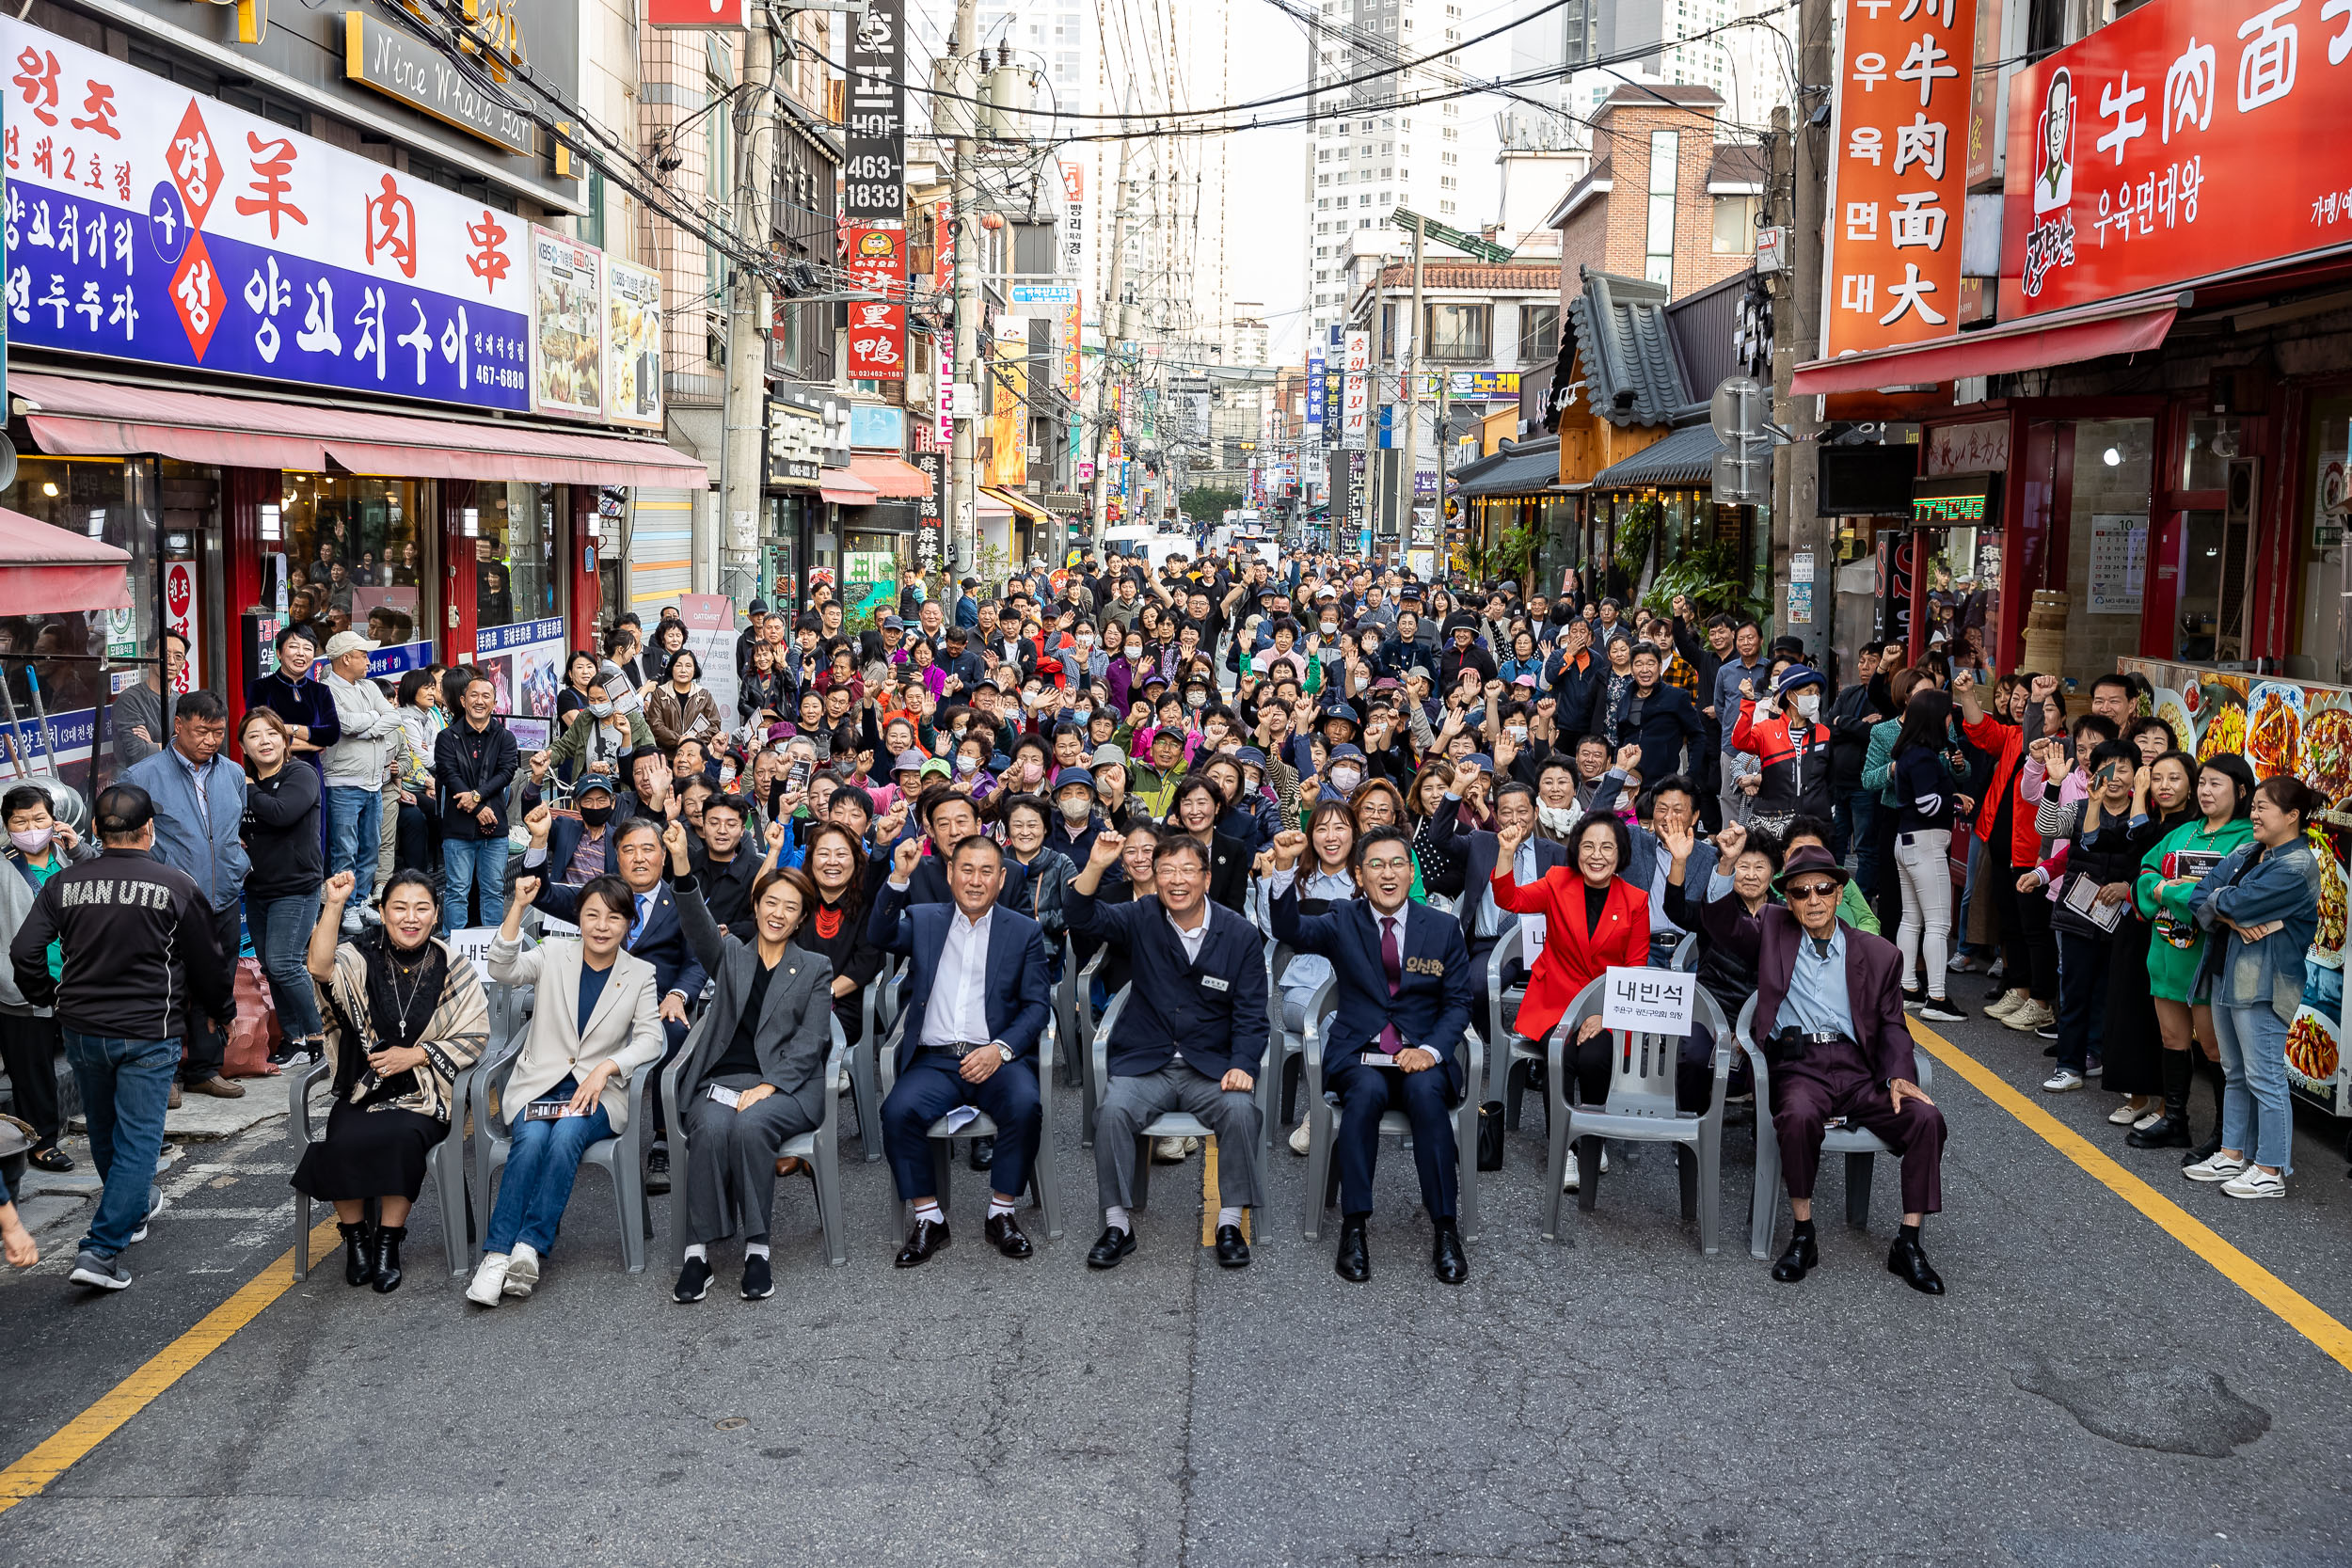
x=2169 y=1131
x=387 y=1251
x=358 y=1252
x=2211 y=1073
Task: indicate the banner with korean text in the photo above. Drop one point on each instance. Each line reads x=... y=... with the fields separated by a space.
x=1356 y=391
x=148 y=223
x=1899 y=173
x=2188 y=138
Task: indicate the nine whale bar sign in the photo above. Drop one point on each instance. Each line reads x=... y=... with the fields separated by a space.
x=395 y=63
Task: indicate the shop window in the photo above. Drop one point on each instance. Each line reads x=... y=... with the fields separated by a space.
x=349 y=553
x=2213 y=440
x=1734 y=223
x=2107 y=541
x=515 y=573
x=79 y=661
x=1540 y=334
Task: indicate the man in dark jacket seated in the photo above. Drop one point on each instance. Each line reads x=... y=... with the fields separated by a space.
x=1190 y=1036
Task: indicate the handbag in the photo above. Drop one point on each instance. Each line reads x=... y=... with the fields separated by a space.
x=1490 y=1136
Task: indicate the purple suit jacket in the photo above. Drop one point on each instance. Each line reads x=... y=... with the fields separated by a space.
x=1874 y=986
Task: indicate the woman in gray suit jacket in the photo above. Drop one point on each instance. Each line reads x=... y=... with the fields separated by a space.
x=757 y=1075
x=594 y=1022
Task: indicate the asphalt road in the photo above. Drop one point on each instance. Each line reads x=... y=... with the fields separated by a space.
x=2091 y=1392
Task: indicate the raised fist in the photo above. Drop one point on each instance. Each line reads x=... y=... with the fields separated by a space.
x=774 y=835
x=337 y=890
x=526 y=890
x=1729 y=841
x=910 y=851
x=538 y=820
x=1105 y=852
x=1962 y=681
x=673 y=839
x=1628 y=757
x=1288 y=845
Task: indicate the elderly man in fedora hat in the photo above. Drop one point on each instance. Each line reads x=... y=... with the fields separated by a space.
x=1829 y=1015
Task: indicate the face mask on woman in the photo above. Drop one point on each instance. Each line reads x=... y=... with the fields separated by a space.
x=967 y=764
x=31 y=841
x=1134 y=650
x=1807 y=704
x=602 y=710
x=1345 y=780
x=1076 y=809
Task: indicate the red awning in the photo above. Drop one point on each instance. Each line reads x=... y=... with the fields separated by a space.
x=2062 y=337
x=45 y=570
x=98 y=418
x=845 y=488
x=889 y=477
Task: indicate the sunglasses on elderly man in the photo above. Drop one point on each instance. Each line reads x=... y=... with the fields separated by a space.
x=1811 y=890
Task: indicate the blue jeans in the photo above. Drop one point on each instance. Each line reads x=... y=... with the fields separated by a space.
x=540 y=1170
x=2254 y=1086
x=125 y=1085
x=281 y=936
x=355 y=830
x=1852 y=817
x=465 y=862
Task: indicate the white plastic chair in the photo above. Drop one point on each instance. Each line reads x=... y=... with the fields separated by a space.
x=1641 y=1108
x=1860 y=1146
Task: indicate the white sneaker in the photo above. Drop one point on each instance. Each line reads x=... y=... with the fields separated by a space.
x=2217 y=1166
x=2031 y=1016
x=522 y=1270
x=2061 y=1081
x=1573 y=1180
x=352 y=925
x=2254 y=1182
x=2010 y=1000
x=1300 y=1140
x=2125 y=1115
x=1169 y=1152
x=489 y=1279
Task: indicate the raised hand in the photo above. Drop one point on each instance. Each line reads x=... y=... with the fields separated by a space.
x=1679 y=841
x=526 y=891
x=1288 y=845
x=903 y=858
x=1962 y=681
x=1105 y=854
x=673 y=839
x=538 y=820
x=1730 y=839
x=1629 y=758
x=774 y=835
x=337 y=890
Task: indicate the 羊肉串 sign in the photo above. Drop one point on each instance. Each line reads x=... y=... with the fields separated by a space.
x=2187 y=138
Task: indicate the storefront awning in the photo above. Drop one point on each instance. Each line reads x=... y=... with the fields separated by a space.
x=1512 y=473
x=890 y=478
x=70 y=417
x=1687 y=457
x=844 y=488
x=1020 y=505
x=46 y=570
x=2060 y=338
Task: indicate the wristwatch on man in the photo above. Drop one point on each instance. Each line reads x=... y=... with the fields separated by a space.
x=1004 y=1052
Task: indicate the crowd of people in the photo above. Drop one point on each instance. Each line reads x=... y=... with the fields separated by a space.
x=1171 y=767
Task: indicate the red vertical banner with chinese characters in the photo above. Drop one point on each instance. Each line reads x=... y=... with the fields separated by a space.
x=2187 y=138
x=877 y=260
x=1899 y=172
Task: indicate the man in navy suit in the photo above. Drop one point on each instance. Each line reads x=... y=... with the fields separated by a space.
x=656 y=936
x=1403 y=1000
x=1190 y=1036
x=975 y=1005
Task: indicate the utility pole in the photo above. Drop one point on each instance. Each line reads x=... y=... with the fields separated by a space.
x=963 y=493
x=1115 y=323
x=743 y=444
x=1409 y=483
x=1797 y=335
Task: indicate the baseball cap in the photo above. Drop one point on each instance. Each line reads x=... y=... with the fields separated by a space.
x=348 y=642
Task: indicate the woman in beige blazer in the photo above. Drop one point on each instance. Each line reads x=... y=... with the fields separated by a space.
x=595 y=1022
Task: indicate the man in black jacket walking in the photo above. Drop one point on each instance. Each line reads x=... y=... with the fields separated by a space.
x=141 y=962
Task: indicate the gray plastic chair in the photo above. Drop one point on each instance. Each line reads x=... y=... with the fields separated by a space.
x=1640 y=1109
x=983 y=1126
x=865 y=1075
x=1860 y=1147
x=1514 y=1058
x=620 y=1157
x=1066 y=1013
x=1687 y=952
x=821 y=1149
x=1322 y=1120
x=1169 y=1124
x=444 y=1169
x=1283 y=1042
x=1082 y=1008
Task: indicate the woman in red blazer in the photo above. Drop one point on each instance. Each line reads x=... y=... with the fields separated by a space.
x=1594 y=919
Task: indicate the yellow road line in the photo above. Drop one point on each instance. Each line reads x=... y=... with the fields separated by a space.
x=31 y=1475
x=1212 y=1198
x=2291 y=1306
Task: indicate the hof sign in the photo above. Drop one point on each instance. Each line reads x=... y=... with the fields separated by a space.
x=1649 y=1001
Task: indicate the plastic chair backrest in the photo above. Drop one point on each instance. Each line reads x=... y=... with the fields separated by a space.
x=1686 y=951
x=1642 y=1067
x=1746 y=1030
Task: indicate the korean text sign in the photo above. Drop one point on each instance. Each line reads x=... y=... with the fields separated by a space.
x=877 y=260
x=1898 y=174
x=1649 y=1001
x=874 y=140
x=1356 y=391
x=145 y=222
x=2187 y=138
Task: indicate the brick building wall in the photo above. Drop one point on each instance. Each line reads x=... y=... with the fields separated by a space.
x=1610 y=231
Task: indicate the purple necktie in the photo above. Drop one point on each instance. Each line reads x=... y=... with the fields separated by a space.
x=1393 y=962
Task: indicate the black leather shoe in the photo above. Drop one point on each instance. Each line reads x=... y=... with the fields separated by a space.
x=2169 y=1131
x=358 y=1253
x=1004 y=1233
x=983 y=1153
x=693 y=1282
x=1354 y=1263
x=387 y=1255
x=1801 y=1258
x=1445 y=1254
x=929 y=1236
x=1908 y=1262
x=1108 y=1248
x=658 y=1172
x=1233 y=1250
